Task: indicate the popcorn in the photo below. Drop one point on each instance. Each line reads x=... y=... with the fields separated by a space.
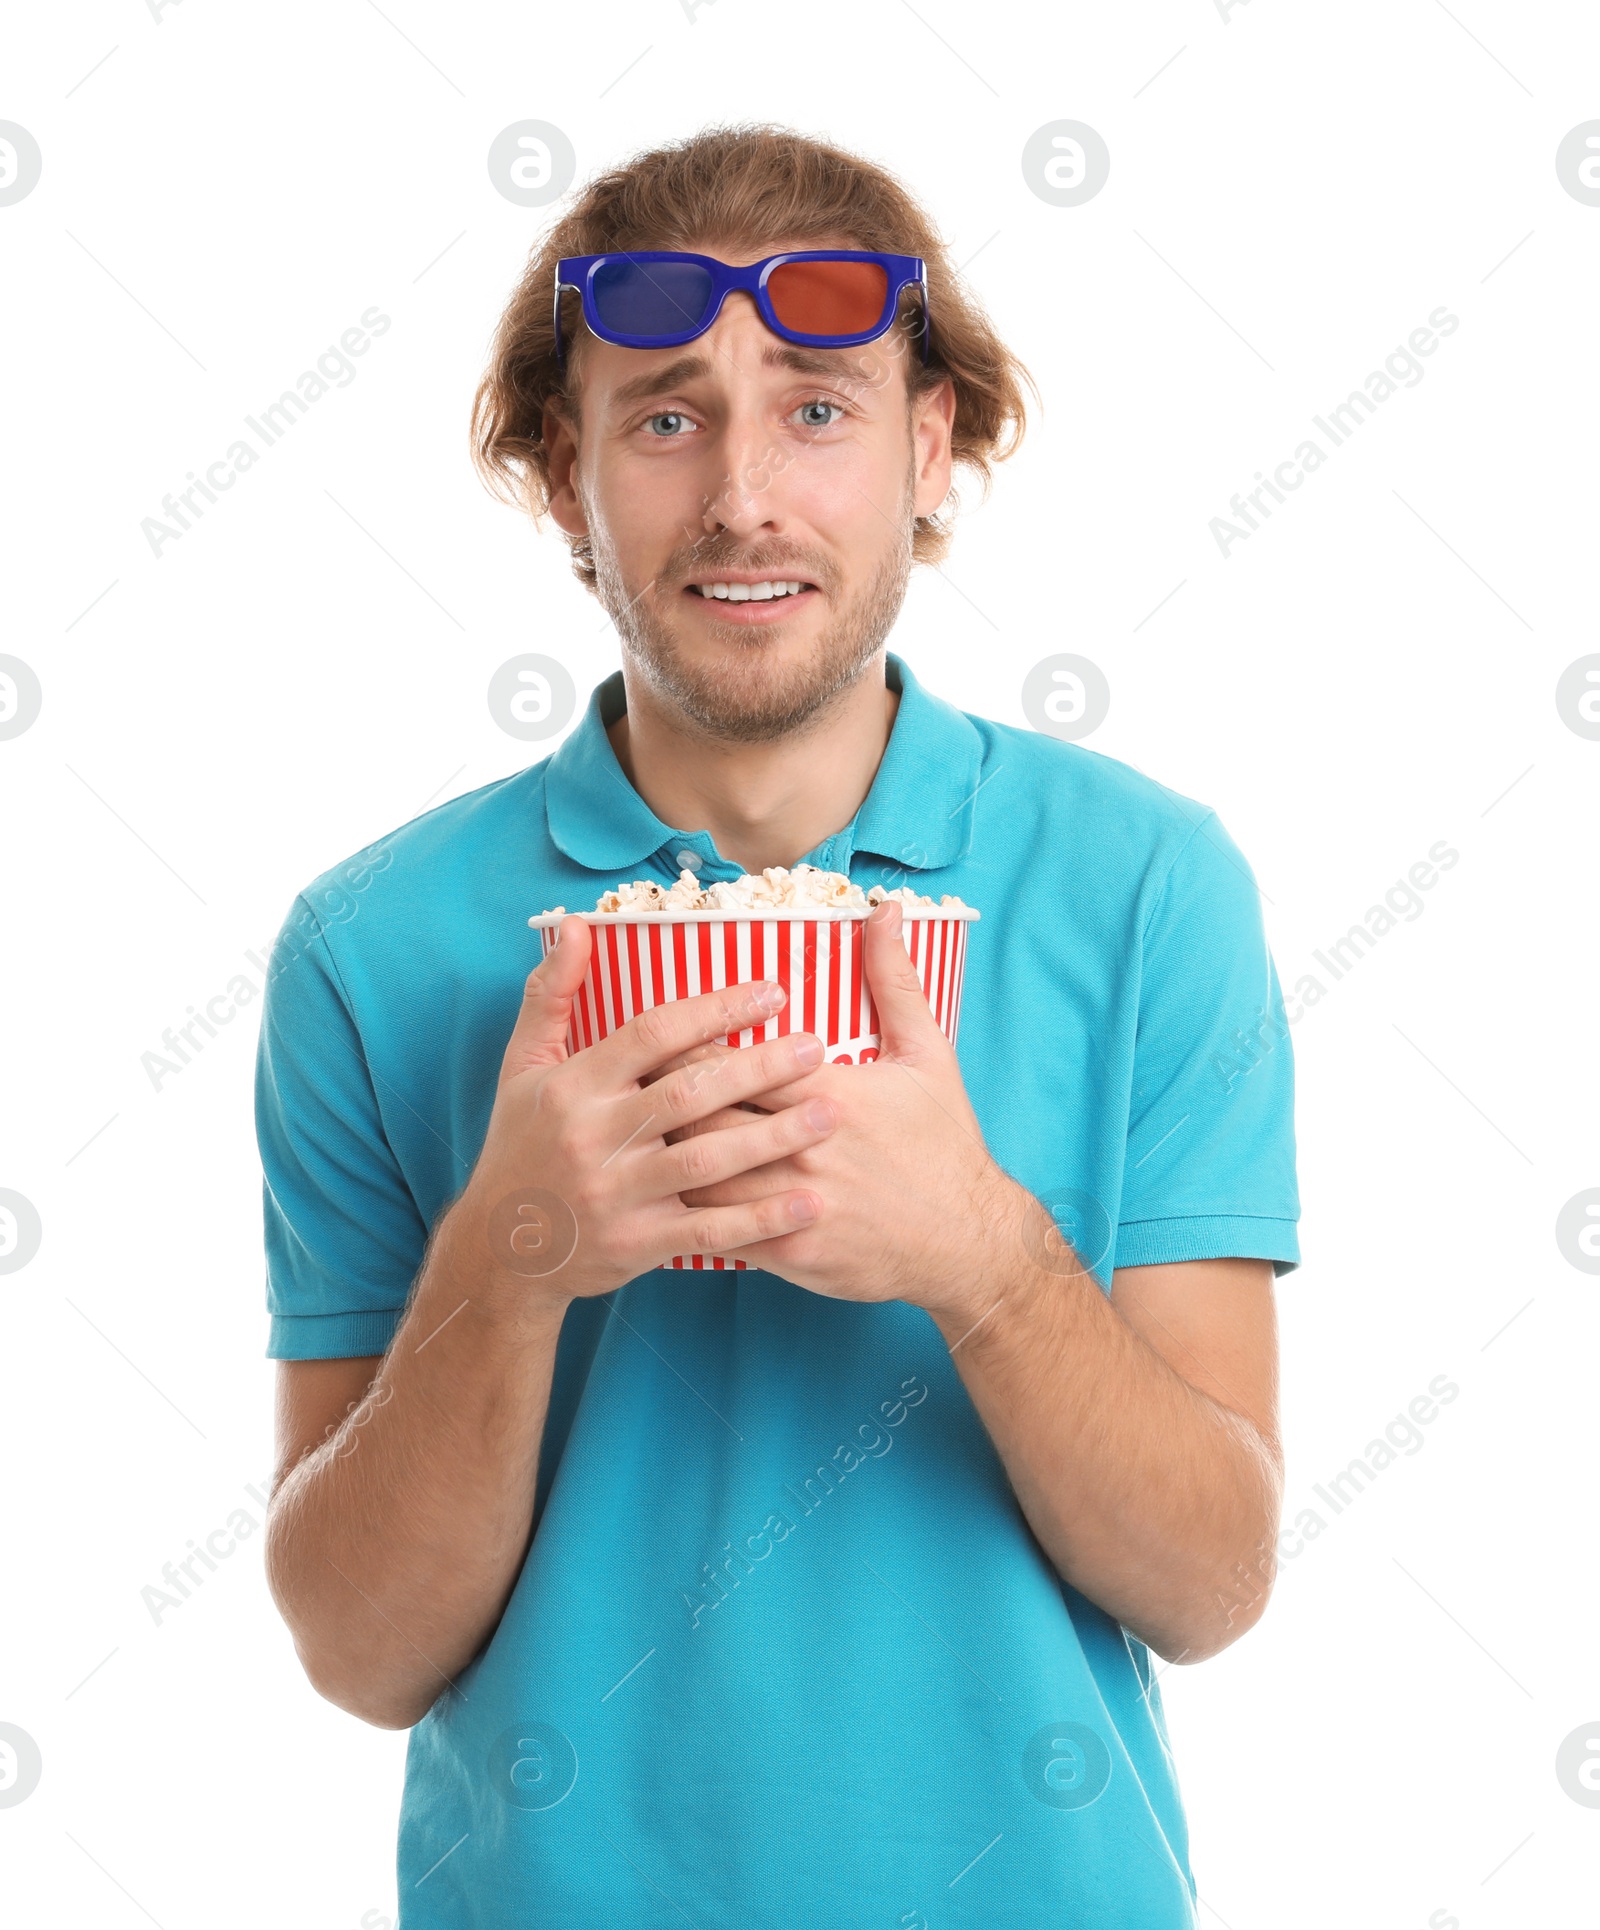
x=777 y=888
x=805 y=929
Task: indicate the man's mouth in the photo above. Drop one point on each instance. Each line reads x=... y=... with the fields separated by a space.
x=768 y=589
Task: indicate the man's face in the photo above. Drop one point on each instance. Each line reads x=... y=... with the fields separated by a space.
x=741 y=462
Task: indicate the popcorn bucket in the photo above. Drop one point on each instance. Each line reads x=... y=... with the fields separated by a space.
x=642 y=958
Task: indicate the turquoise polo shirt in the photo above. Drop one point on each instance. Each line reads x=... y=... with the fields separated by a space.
x=784 y=1651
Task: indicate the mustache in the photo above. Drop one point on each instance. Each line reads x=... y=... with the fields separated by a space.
x=786 y=560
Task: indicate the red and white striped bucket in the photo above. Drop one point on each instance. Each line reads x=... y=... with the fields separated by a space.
x=645 y=958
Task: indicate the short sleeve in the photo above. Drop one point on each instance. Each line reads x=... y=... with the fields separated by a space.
x=344 y=1236
x=1210 y=1168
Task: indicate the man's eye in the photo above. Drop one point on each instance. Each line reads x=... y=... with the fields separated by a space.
x=673 y=423
x=810 y=419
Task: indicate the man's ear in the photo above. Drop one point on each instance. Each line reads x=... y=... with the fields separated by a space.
x=933 y=415
x=560 y=440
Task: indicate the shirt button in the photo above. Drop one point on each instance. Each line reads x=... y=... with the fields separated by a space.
x=688 y=859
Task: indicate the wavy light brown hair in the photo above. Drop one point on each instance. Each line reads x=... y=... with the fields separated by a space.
x=752 y=186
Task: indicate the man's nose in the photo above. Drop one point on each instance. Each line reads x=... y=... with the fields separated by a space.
x=743 y=499
x=749 y=459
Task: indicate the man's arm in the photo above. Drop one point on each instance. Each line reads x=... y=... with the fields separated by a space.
x=394 y=1540
x=393 y=1546
x=1140 y=1432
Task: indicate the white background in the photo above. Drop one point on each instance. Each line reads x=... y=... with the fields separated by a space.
x=1292 y=192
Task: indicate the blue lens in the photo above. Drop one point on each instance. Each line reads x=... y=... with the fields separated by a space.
x=651 y=297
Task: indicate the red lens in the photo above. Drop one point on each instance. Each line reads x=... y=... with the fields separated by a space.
x=828 y=297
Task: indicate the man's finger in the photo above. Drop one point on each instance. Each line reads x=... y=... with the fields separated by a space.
x=696 y=1055
x=539 y=1037
x=665 y=1031
x=906 y=1024
x=739 y=1115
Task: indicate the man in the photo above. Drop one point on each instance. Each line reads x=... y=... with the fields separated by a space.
x=825 y=1592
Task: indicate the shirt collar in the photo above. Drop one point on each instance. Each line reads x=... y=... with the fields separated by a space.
x=918 y=813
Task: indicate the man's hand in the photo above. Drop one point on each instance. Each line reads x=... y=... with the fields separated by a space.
x=908 y=1192
x=578 y=1186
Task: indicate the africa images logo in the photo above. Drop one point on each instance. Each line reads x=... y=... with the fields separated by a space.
x=872 y=1442
x=1401 y=367
x=182 y=508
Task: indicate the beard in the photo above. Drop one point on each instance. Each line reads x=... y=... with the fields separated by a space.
x=745 y=695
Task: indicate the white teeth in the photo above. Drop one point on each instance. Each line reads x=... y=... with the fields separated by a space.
x=749 y=592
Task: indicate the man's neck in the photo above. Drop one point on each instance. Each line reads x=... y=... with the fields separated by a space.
x=763 y=804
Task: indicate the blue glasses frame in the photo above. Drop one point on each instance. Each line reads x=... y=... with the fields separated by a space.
x=577 y=272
